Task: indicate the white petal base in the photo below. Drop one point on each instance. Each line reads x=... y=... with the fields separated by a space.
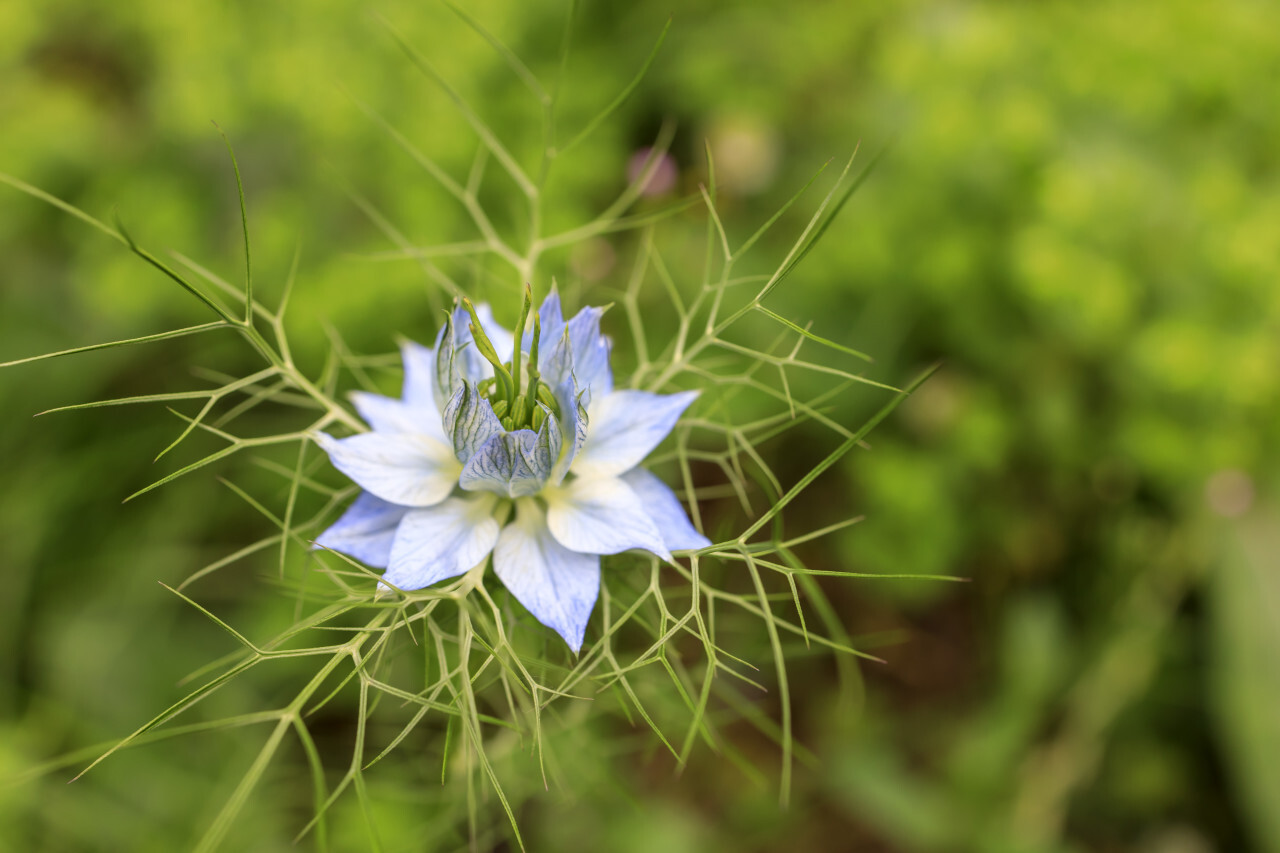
x=558 y=586
x=601 y=515
x=442 y=541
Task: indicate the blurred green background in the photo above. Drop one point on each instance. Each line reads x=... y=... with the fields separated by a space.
x=1078 y=213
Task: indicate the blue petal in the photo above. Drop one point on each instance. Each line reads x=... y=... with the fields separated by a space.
x=365 y=531
x=419 y=374
x=514 y=464
x=590 y=352
x=469 y=421
x=410 y=470
x=392 y=416
x=573 y=427
x=457 y=357
x=665 y=511
x=442 y=541
x=551 y=323
x=601 y=515
x=625 y=427
x=578 y=350
x=558 y=586
x=555 y=359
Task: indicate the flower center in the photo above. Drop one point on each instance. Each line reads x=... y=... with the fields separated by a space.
x=519 y=397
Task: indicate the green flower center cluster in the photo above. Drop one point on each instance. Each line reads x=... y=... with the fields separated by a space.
x=516 y=389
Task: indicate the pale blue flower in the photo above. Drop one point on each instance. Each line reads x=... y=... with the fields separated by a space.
x=533 y=460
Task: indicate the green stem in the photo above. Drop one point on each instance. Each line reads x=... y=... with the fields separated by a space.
x=289 y=371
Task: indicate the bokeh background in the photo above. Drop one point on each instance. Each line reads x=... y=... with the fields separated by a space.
x=1077 y=212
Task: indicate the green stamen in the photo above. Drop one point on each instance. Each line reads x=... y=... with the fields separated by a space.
x=520 y=411
x=546 y=398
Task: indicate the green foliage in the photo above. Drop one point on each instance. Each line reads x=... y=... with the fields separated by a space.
x=1246 y=680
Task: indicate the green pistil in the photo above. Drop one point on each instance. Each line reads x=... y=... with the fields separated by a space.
x=515 y=407
x=519 y=336
x=486 y=349
x=534 y=375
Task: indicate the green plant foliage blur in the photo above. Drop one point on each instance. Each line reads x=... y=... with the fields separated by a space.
x=1075 y=208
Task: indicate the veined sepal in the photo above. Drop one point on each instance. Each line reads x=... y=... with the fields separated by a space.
x=517 y=463
x=469 y=421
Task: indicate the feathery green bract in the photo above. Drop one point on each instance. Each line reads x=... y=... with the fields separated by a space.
x=456 y=670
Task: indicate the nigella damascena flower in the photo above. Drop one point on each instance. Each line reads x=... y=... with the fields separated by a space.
x=526 y=453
